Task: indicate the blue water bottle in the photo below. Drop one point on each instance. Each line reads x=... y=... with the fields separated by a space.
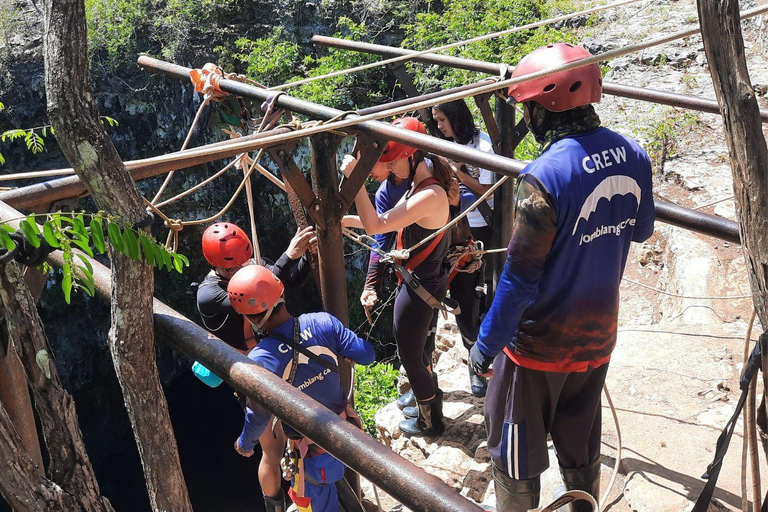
x=209 y=378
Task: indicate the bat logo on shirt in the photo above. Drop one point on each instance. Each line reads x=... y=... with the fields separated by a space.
x=610 y=187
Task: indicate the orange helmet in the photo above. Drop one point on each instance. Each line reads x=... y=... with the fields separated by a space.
x=397 y=150
x=226 y=245
x=254 y=289
x=560 y=91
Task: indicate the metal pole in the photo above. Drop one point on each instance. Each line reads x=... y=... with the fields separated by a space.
x=677 y=215
x=696 y=221
x=625 y=91
x=504 y=196
x=400 y=478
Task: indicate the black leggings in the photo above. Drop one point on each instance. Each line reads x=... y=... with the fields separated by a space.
x=412 y=320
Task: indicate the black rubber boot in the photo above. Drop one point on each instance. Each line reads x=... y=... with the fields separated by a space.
x=515 y=495
x=429 y=421
x=408 y=399
x=478 y=384
x=586 y=479
x=276 y=504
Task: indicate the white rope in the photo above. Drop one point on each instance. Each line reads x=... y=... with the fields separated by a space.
x=414 y=54
x=480 y=89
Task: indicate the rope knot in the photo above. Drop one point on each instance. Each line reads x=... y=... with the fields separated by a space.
x=174 y=224
x=400 y=254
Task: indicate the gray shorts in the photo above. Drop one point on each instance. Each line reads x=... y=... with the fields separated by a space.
x=523 y=406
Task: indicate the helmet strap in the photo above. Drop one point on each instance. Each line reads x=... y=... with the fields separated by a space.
x=258 y=327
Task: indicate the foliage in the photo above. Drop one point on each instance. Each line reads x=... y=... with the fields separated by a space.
x=69 y=233
x=274 y=60
x=34 y=138
x=119 y=29
x=270 y=60
x=375 y=387
x=661 y=138
x=464 y=19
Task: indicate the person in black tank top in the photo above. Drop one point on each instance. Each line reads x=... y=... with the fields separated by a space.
x=423 y=211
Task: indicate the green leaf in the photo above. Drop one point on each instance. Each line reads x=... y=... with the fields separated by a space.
x=146 y=246
x=66 y=282
x=29 y=233
x=97 y=234
x=13 y=134
x=158 y=253
x=34 y=142
x=33 y=224
x=167 y=260
x=131 y=244
x=116 y=237
x=83 y=246
x=6 y=241
x=50 y=236
x=108 y=120
x=177 y=263
x=184 y=259
x=7 y=228
x=88 y=282
x=2 y=159
x=86 y=261
x=79 y=224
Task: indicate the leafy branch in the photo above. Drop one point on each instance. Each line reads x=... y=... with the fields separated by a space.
x=69 y=233
x=34 y=138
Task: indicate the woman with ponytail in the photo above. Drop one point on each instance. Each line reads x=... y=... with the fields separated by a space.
x=422 y=211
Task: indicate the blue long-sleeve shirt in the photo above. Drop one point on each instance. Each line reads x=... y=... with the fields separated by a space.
x=322 y=334
x=577 y=208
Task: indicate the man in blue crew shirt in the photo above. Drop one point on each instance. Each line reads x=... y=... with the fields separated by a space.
x=257 y=294
x=552 y=326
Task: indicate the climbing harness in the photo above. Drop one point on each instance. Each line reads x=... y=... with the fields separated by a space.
x=465 y=258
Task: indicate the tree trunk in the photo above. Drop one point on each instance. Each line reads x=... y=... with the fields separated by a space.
x=95 y=160
x=14 y=396
x=21 y=485
x=724 y=46
x=70 y=468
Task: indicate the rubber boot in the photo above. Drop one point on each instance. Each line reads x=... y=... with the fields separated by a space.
x=515 y=495
x=276 y=504
x=478 y=384
x=586 y=479
x=429 y=421
x=408 y=399
x=412 y=411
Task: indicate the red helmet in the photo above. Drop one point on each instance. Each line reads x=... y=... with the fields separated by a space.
x=560 y=91
x=254 y=289
x=226 y=245
x=397 y=150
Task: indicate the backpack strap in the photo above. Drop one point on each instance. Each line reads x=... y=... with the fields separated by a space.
x=296 y=345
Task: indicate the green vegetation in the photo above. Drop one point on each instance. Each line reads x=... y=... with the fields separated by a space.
x=375 y=387
x=68 y=232
x=662 y=136
x=34 y=138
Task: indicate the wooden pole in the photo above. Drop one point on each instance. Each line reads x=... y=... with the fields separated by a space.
x=724 y=46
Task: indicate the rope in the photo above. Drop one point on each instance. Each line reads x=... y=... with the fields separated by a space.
x=619 y=446
x=206 y=100
x=404 y=254
x=713 y=203
x=750 y=434
x=482 y=89
x=415 y=54
x=677 y=295
x=198 y=186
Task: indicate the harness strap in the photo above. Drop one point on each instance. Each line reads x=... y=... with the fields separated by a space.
x=713 y=470
x=296 y=345
x=418 y=259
